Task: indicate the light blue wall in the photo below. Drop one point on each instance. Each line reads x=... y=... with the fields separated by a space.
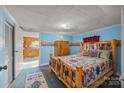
x=46 y=50
x=113 y=32
x=105 y=35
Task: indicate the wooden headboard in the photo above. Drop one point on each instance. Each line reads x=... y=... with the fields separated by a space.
x=113 y=44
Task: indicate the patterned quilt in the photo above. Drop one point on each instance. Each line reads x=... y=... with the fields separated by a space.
x=93 y=67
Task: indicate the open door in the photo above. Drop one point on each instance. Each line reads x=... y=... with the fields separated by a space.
x=9 y=46
x=6 y=54
x=3 y=65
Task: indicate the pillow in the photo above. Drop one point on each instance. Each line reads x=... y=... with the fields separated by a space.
x=104 y=54
x=105 y=47
x=85 y=52
x=93 y=53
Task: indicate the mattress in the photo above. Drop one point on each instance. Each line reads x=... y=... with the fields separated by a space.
x=93 y=67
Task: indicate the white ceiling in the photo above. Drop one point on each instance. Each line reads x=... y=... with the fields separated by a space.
x=65 y=19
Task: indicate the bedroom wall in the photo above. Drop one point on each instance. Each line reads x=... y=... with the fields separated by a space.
x=46 y=50
x=106 y=34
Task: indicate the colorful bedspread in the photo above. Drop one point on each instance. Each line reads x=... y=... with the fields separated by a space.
x=93 y=67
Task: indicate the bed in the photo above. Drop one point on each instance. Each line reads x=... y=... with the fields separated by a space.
x=82 y=70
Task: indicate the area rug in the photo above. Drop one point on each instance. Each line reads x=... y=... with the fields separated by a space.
x=35 y=80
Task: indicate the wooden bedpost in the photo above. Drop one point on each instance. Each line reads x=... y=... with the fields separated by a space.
x=58 y=67
x=79 y=75
x=81 y=46
x=114 y=54
x=70 y=75
x=61 y=70
x=50 y=63
x=51 y=56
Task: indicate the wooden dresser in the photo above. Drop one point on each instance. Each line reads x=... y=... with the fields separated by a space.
x=61 y=48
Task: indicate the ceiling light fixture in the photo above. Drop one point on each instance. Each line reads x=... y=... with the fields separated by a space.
x=65 y=26
x=61 y=37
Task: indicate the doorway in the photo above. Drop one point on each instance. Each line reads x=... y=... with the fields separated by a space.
x=30 y=51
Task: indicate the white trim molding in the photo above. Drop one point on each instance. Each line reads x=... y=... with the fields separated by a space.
x=122 y=47
x=45 y=64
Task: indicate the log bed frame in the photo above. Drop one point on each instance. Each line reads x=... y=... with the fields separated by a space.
x=57 y=67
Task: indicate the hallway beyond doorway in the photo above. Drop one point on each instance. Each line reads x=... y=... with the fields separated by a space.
x=28 y=55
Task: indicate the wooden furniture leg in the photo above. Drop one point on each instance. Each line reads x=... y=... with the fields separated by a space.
x=70 y=75
x=61 y=70
x=79 y=75
x=50 y=63
x=114 y=54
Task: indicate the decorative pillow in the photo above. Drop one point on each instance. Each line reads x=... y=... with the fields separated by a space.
x=92 y=46
x=105 y=47
x=104 y=54
x=93 y=53
x=86 y=52
x=108 y=47
x=101 y=47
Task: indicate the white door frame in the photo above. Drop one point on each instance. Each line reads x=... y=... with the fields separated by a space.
x=19 y=61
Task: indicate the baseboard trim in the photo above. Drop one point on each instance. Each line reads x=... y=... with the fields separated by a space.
x=44 y=64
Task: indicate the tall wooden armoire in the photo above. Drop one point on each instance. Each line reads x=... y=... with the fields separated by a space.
x=61 y=48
